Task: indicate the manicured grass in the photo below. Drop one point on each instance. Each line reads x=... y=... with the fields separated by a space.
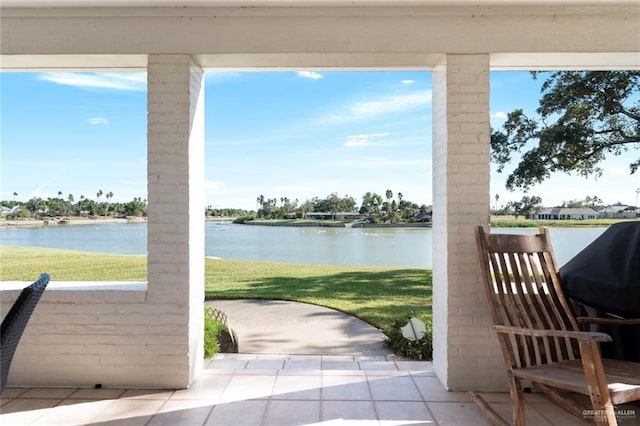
x=26 y=263
x=511 y=222
x=378 y=295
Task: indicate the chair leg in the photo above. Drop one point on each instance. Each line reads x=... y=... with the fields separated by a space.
x=604 y=415
x=517 y=401
x=603 y=410
x=488 y=412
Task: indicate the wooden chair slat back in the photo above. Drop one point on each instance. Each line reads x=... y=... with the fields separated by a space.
x=523 y=290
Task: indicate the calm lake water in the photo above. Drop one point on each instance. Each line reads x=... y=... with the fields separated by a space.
x=407 y=247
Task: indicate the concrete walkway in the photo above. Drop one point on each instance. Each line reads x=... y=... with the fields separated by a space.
x=280 y=327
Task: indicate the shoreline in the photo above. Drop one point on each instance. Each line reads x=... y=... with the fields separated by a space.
x=36 y=223
x=331 y=224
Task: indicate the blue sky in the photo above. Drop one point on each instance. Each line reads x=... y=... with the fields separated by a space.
x=279 y=134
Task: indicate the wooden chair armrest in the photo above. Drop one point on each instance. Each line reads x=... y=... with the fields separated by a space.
x=578 y=335
x=608 y=321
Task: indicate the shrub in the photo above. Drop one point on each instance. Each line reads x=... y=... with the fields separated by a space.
x=212 y=328
x=242 y=219
x=421 y=349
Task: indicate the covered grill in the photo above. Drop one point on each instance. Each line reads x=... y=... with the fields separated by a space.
x=605 y=276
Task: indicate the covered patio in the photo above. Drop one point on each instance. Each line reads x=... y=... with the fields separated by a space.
x=128 y=336
x=250 y=389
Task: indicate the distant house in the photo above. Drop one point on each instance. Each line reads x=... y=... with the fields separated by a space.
x=565 y=213
x=424 y=216
x=618 y=211
x=334 y=216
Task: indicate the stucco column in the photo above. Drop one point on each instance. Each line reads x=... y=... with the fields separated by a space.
x=176 y=212
x=466 y=352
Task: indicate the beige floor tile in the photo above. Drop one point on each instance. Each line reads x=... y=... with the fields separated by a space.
x=303 y=365
x=290 y=413
x=414 y=365
x=552 y=413
x=238 y=413
x=130 y=411
x=377 y=365
x=504 y=409
x=344 y=388
x=457 y=414
x=72 y=412
x=340 y=365
x=48 y=393
x=25 y=411
x=349 y=411
x=305 y=358
x=228 y=364
x=265 y=364
x=208 y=387
x=182 y=412
x=97 y=394
x=432 y=390
x=394 y=389
x=147 y=394
x=273 y=357
x=338 y=358
x=26 y=404
x=370 y=358
x=245 y=387
x=402 y=412
x=9 y=393
x=297 y=387
x=241 y=356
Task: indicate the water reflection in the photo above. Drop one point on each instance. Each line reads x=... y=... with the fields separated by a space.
x=405 y=247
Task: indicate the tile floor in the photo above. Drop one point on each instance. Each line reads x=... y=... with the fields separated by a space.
x=248 y=390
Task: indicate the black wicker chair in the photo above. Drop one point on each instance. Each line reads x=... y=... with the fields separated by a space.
x=15 y=322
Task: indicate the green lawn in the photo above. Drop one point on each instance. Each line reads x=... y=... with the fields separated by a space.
x=378 y=295
x=521 y=222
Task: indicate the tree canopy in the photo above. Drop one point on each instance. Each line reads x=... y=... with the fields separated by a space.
x=584 y=116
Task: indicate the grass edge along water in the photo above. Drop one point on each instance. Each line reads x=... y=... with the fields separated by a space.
x=382 y=296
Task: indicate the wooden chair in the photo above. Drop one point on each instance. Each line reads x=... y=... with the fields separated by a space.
x=15 y=322
x=540 y=337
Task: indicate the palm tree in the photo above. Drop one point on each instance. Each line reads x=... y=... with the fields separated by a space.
x=387 y=205
x=260 y=201
x=108 y=195
x=70 y=204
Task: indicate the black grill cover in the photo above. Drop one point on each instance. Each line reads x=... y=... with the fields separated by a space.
x=606 y=274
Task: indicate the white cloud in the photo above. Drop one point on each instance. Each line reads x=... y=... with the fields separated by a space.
x=213 y=184
x=134 y=182
x=380 y=163
x=369 y=110
x=108 y=80
x=363 y=139
x=408 y=81
x=292 y=188
x=98 y=121
x=310 y=74
x=218 y=76
x=500 y=115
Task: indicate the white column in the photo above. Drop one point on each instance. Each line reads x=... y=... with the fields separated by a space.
x=176 y=211
x=466 y=352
